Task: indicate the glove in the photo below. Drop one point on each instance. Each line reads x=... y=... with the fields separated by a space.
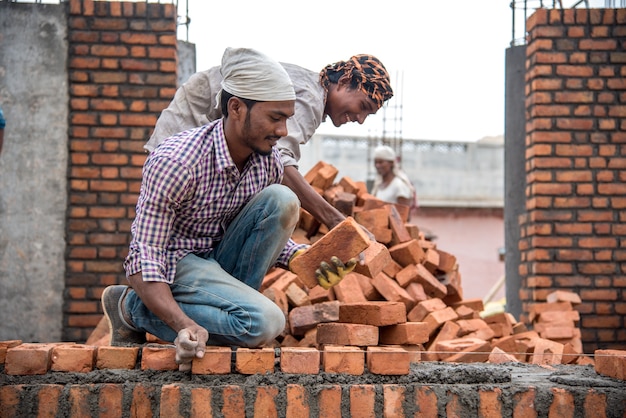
x=329 y=275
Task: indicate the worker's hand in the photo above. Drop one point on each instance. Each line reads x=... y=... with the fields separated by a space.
x=190 y=343
x=329 y=275
x=297 y=253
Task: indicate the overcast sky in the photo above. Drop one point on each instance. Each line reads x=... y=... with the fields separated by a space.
x=446 y=58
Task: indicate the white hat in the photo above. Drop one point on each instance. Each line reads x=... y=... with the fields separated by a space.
x=384 y=152
x=249 y=74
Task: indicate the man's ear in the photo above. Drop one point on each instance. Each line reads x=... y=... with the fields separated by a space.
x=236 y=108
x=344 y=81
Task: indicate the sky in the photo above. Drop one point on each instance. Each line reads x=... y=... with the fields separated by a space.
x=446 y=59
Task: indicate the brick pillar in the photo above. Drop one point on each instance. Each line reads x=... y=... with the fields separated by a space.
x=122 y=73
x=573 y=234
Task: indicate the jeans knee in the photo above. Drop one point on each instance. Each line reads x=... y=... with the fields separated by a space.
x=270 y=327
x=286 y=202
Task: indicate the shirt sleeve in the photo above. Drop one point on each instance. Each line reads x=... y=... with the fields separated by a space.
x=289 y=250
x=194 y=105
x=309 y=113
x=163 y=189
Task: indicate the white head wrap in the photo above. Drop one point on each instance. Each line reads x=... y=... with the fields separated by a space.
x=249 y=74
x=384 y=152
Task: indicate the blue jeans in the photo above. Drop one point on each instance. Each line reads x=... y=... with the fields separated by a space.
x=219 y=290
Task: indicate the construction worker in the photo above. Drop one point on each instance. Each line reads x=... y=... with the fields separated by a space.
x=392 y=184
x=211 y=219
x=346 y=91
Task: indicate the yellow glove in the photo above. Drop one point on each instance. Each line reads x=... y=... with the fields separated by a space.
x=329 y=275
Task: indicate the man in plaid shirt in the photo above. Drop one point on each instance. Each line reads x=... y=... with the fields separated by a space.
x=211 y=219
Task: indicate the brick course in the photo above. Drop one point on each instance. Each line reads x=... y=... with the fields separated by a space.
x=571 y=233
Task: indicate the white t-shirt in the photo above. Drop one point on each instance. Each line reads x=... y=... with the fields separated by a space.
x=395 y=189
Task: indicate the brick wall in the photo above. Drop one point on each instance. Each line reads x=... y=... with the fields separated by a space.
x=573 y=234
x=122 y=73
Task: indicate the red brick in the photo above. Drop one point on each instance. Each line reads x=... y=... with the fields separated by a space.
x=375 y=258
x=490 y=403
x=5 y=345
x=437 y=318
x=407 y=333
x=304 y=318
x=562 y=403
x=524 y=404
x=169 y=405
x=216 y=360
x=78 y=397
x=158 y=358
x=347 y=334
x=393 y=400
x=426 y=402
x=387 y=361
x=116 y=357
x=329 y=401
x=349 y=290
x=110 y=401
x=28 y=359
x=345 y=241
x=611 y=363
x=392 y=291
x=343 y=360
x=297 y=401
x=362 y=401
x=407 y=253
x=265 y=402
x=10 y=399
x=233 y=402
x=373 y=313
x=254 y=361
x=423 y=308
x=299 y=360
x=73 y=358
x=200 y=400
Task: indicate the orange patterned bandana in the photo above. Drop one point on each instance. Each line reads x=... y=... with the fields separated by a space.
x=368 y=71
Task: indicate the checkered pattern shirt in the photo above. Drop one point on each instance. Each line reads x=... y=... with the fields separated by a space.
x=190 y=193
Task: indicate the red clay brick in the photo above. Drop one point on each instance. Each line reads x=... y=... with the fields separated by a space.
x=373 y=313
x=28 y=359
x=347 y=334
x=362 y=401
x=393 y=400
x=392 y=291
x=234 y=403
x=329 y=401
x=524 y=402
x=110 y=400
x=10 y=399
x=297 y=401
x=78 y=398
x=407 y=333
x=304 y=318
x=265 y=402
x=437 y=318
x=343 y=360
x=490 y=403
x=423 y=308
x=48 y=400
x=158 y=358
x=375 y=257
x=5 y=345
x=407 y=253
x=254 y=361
x=170 y=402
x=562 y=404
x=345 y=241
x=73 y=358
x=426 y=402
x=216 y=360
x=387 y=360
x=200 y=402
x=116 y=357
x=299 y=360
x=611 y=363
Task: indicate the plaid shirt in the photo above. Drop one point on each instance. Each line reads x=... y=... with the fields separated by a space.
x=190 y=193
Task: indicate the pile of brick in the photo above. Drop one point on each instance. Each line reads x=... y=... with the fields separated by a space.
x=407 y=292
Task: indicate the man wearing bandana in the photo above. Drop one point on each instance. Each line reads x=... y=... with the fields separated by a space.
x=346 y=91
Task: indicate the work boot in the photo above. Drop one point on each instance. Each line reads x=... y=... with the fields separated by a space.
x=120 y=331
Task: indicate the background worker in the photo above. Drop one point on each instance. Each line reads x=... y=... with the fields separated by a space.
x=211 y=219
x=392 y=184
x=346 y=91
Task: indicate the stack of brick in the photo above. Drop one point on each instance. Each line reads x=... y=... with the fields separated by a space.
x=407 y=293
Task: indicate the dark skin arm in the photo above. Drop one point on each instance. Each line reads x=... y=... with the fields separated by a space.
x=310 y=200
